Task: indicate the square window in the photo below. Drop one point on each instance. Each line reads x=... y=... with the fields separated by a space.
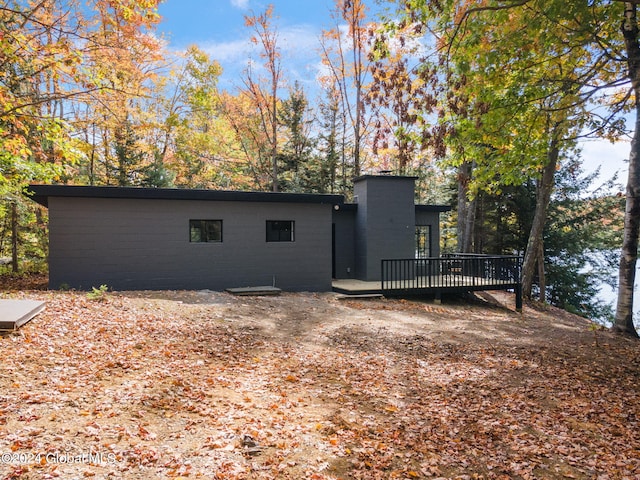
x=280 y=230
x=205 y=231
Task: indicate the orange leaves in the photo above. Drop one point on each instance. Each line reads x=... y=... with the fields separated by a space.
x=365 y=393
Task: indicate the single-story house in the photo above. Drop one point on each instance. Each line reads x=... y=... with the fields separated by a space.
x=157 y=238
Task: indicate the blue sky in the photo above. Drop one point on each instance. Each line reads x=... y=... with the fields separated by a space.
x=217 y=26
x=202 y=21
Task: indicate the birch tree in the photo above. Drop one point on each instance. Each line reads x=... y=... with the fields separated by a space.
x=628 y=258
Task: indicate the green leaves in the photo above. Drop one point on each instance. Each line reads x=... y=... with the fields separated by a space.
x=515 y=73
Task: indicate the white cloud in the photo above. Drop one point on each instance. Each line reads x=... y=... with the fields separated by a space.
x=228 y=52
x=299 y=41
x=299 y=52
x=241 y=4
x=610 y=157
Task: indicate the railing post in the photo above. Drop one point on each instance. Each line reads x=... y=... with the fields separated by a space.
x=519 y=297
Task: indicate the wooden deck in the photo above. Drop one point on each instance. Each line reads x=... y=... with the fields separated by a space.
x=423 y=283
x=15 y=313
x=454 y=273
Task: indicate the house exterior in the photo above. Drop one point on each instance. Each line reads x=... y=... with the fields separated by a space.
x=151 y=238
x=383 y=223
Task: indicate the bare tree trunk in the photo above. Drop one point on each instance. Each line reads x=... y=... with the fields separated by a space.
x=274 y=129
x=14 y=238
x=626 y=278
x=542 y=282
x=343 y=152
x=357 y=128
x=478 y=226
x=466 y=209
x=543 y=197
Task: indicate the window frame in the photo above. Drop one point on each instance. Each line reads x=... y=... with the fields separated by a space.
x=281 y=237
x=203 y=228
x=423 y=232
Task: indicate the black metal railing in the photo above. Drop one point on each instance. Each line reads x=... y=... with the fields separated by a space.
x=453 y=272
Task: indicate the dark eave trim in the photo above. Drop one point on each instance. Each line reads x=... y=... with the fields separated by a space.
x=348 y=207
x=41 y=194
x=433 y=208
x=352 y=207
x=382 y=177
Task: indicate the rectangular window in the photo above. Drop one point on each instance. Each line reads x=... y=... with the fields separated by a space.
x=205 y=231
x=280 y=231
x=423 y=241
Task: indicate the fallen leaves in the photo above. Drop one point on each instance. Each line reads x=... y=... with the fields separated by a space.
x=300 y=386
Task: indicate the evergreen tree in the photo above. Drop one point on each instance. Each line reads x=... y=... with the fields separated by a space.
x=296 y=158
x=128 y=157
x=579 y=239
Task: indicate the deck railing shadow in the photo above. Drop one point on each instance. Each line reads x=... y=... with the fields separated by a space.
x=453 y=273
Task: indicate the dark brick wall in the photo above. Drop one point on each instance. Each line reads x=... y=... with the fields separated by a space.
x=144 y=244
x=385 y=222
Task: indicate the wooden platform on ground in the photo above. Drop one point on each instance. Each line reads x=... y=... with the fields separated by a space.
x=15 y=313
x=246 y=291
x=424 y=284
x=351 y=286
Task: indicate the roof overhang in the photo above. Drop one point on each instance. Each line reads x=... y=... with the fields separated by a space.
x=433 y=208
x=41 y=194
x=383 y=177
x=352 y=207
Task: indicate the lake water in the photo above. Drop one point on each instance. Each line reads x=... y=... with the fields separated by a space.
x=610 y=296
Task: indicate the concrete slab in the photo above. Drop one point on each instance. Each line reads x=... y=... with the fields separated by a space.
x=254 y=291
x=351 y=286
x=364 y=296
x=15 y=313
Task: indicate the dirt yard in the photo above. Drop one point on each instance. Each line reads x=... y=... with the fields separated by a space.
x=152 y=385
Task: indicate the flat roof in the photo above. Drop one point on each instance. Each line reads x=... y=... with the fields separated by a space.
x=41 y=194
x=351 y=207
x=433 y=208
x=384 y=177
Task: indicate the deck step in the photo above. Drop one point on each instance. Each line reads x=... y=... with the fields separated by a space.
x=246 y=291
x=15 y=313
x=364 y=296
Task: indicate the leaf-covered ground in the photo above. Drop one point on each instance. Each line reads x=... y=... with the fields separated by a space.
x=305 y=386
